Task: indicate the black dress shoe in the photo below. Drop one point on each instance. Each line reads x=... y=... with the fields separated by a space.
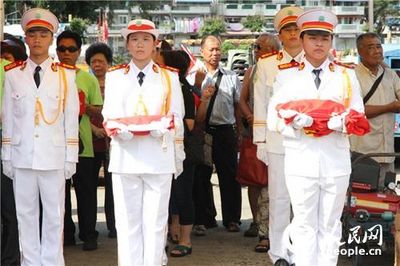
x=89 y=245
x=282 y=262
x=112 y=233
x=69 y=242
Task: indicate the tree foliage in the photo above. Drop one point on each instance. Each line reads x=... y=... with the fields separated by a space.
x=384 y=9
x=214 y=26
x=79 y=26
x=254 y=23
x=226 y=46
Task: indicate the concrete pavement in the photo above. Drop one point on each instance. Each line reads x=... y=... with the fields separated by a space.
x=218 y=247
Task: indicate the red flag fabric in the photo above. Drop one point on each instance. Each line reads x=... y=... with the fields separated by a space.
x=82 y=102
x=139 y=125
x=356 y=123
x=321 y=111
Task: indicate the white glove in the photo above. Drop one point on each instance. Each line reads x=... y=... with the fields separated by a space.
x=179 y=169
x=8 y=169
x=262 y=153
x=124 y=134
x=302 y=120
x=157 y=133
x=336 y=122
x=69 y=169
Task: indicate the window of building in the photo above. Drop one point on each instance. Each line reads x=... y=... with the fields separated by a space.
x=231 y=6
x=247 y=6
x=122 y=19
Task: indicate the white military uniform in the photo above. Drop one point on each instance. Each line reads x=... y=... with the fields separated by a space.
x=40 y=134
x=142 y=169
x=317 y=170
x=279 y=201
x=266 y=140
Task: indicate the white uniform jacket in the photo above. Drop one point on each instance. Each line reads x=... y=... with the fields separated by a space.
x=267 y=69
x=143 y=154
x=315 y=156
x=28 y=141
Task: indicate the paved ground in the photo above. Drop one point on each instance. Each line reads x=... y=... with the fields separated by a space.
x=218 y=247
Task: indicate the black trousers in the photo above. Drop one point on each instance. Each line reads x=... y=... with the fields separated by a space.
x=225 y=159
x=85 y=186
x=203 y=197
x=102 y=159
x=9 y=234
x=181 y=200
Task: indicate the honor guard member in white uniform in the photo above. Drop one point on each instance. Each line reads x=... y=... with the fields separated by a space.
x=269 y=144
x=142 y=164
x=317 y=169
x=40 y=139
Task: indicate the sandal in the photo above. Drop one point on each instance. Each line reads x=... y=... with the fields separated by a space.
x=199 y=230
x=174 y=239
x=262 y=248
x=183 y=251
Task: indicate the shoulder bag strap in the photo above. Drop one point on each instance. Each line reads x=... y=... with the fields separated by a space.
x=212 y=100
x=373 y=88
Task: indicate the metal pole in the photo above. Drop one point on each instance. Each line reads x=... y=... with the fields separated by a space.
x=2 y=20
x=371 y=15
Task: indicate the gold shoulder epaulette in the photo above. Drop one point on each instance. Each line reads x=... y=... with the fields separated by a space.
x=117 y=67
x=288 y=65
x=170 y=68
x=346 y=65
x=14 y=65
x=66 y=66
x=269 y=54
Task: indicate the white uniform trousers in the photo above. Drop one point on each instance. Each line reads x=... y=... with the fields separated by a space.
x=50 y=185
x=141 y=217
x=279 y=206
x=315 y=231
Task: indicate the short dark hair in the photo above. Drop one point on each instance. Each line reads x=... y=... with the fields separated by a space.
x=366 y=35
x=315 y=32
x=99 y=48
x=69 y=34
x=177 y=59
x=16 y=47
x=288 y=25
x=210 y=36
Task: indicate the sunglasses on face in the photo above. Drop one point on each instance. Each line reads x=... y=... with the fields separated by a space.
x=256 y=46
x=71 y=49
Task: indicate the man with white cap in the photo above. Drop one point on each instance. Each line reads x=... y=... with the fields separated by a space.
x=269 y=142
x=143 y=113
x=316 y=103
x=40 y=139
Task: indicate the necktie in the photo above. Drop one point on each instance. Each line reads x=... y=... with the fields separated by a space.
x=317 y=80
x=36 y=76
x=140 y=78
x=292 y=61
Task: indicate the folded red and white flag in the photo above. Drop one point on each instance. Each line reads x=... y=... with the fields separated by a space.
x=139 y=125
x=321 y=111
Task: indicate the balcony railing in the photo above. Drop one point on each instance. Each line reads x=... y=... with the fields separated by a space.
x=348 y=10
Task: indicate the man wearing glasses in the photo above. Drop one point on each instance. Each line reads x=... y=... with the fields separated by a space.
x=270 y=142
x=85 y=182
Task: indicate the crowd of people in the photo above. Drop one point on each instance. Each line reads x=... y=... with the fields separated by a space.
x=146 y=122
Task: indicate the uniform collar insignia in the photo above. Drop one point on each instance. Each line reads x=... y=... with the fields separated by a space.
x=23 y=66
x=331 y=67
x=127 y=68
x=155 y=68
x=279 y=56
x=301 y=66
x=54 y=67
